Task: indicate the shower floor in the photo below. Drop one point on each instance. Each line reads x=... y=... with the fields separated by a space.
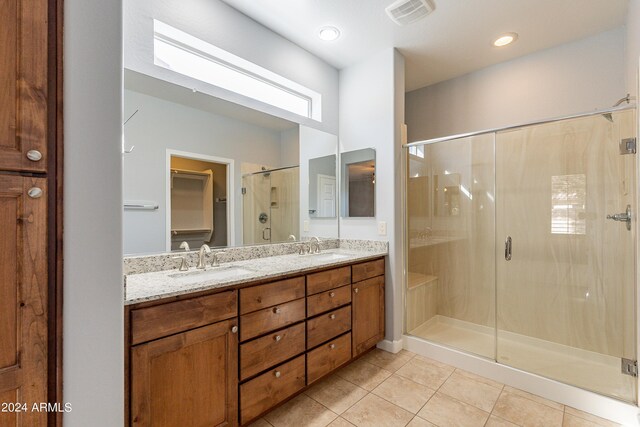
x=581 y=368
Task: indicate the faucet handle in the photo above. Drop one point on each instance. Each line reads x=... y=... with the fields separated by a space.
x=184 y=264
x=215 y=261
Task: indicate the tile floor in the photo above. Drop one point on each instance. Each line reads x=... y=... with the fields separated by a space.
x=386 y=390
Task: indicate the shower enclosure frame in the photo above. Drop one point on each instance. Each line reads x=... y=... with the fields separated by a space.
x=589 y=401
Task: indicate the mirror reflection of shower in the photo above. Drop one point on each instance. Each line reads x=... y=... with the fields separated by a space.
x=270 y=203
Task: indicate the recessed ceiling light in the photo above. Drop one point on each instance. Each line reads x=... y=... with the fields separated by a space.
x=505 y=39
x=329 y=34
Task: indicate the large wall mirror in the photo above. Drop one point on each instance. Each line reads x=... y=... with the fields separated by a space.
x=207 y=171
x=358 y=183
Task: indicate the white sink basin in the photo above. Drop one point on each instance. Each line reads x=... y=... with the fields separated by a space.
x=213 y=273
x=329 y=256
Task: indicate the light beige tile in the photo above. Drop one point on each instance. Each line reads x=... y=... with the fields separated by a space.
x=475 y=393
x=336 y=393
x=568 y=410
x=364 y=374
x=389 y=361
x=419 y=422
x=301 y=411
x=499 y=422
x=479 y=378
x=442 y=410
x=535 y=398
x=426 y=372
x=260 y=423
x=340 y=422
x=403 y=392
x=526 y=412
x=373 y=411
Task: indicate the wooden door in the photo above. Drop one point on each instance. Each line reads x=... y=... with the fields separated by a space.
x=189 y=379
x=23 y=85
x=368 y=314
x=23 y=299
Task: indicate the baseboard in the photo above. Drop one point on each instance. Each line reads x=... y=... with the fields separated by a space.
x=390 y=346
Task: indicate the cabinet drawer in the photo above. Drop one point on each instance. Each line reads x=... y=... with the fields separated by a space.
x=265 y=352
x=272 y=318
x=263 y=392
x=162 y=320
x=328 y=300
x=328 y=357
x=259 y=297
x=367 y=270
x=328 y=325
x=325 y=280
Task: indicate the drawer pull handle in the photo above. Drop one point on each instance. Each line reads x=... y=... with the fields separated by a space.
x=277 y=338
x=276 y=310
x=34 y=155
x=333 y=316
x=234 y=330
x=332 y=294
x=35 y=192
x=277 y=374
x=355 y=290
x=332 y=346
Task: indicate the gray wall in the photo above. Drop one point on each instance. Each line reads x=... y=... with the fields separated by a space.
x=162 y=125
x=93 y=289
x=576 y=77
x=225 y=27
x=372 y=119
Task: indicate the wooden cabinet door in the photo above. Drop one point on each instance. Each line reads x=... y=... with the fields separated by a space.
x=189 y=379
x=368 y=314
x=23 y=85
x=23 y=298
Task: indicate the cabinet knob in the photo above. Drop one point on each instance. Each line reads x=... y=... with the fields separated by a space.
x=332 y=294
x=34 y=155
x=234 y=330
x=277 y=338
x=355 y=290
x=276 y=310
x=333 y=316
x=35 y=192
x=277 y=374
x=332 y=346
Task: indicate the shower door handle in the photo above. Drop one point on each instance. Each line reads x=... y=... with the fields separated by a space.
x=507 y=249
x=623 y=217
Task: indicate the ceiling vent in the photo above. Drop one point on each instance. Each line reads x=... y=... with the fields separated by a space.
x=405 y=12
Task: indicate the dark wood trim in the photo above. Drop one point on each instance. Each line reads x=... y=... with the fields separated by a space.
x=55 y=204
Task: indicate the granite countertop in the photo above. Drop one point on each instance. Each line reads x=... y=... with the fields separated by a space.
x=168 y=283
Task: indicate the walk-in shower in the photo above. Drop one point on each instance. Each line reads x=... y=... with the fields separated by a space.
x=521 y=248
x=271 y=205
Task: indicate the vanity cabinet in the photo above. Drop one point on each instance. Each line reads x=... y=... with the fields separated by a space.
x=188 y=366
x=368 y=305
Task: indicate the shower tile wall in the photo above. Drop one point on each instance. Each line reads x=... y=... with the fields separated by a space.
x=571 y=284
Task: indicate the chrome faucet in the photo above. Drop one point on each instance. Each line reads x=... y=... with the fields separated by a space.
x=314 y=242
x=184 y=263
x=292 y=237
x=215 y=261
x=185 y=246
x=202 y=259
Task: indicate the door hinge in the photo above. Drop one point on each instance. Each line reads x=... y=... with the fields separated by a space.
x=630 y=367
x=628 y=146
x=244 y=191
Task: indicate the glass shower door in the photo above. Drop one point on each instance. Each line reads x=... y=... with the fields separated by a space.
x=565 y=269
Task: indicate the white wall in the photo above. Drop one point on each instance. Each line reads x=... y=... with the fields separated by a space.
x=576 y=77
x=225 y=27
x=371 y=119
x=160 y=125
x=93 y=290
x=633 y=46
x=314 y=144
